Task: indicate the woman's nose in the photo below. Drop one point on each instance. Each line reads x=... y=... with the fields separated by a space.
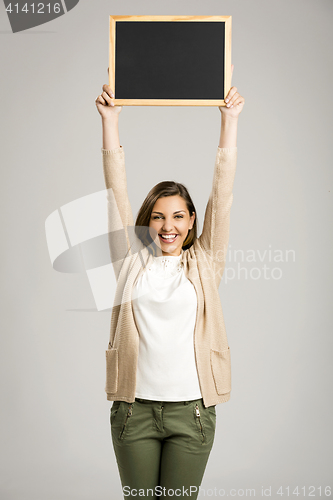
x=167 y=226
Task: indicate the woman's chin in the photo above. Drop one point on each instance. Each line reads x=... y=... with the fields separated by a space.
x=166 y=247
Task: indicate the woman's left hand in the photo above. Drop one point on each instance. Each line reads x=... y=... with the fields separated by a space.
x=234 y=102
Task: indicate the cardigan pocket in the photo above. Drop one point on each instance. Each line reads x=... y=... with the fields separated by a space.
x=221 y=368
x=111 y=371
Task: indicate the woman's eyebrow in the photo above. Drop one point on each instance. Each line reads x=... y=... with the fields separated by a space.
x=161 y=213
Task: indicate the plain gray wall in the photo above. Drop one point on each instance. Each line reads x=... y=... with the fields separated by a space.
x=275 y=430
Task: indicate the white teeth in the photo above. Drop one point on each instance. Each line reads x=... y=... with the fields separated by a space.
x=168 y=237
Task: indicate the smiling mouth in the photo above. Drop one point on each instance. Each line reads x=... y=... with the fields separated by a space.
x=169 y=238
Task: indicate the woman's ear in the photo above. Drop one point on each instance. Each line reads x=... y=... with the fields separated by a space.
x=192 y=218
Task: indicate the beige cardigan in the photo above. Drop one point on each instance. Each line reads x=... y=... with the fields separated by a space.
x=204 y=264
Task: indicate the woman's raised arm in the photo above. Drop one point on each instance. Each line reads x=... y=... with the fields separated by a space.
x=109 y=113
x=120 y=218
x=229 y=117
x=215 y=232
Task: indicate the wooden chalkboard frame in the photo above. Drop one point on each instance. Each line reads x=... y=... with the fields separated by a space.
x=170 y=102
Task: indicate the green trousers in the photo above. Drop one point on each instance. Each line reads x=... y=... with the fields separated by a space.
x=162 y=448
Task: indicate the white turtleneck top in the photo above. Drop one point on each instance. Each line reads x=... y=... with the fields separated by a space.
x=164 y=305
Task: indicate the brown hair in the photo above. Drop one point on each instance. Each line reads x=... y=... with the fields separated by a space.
x=163 y=189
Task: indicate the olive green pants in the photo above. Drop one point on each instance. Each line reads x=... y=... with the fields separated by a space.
x=162 y=448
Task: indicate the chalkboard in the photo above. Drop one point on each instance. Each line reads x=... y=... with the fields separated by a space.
x=170 y=60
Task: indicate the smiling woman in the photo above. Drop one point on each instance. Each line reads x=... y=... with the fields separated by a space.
x=172 y=227
x=168 y=358
x=168 y=210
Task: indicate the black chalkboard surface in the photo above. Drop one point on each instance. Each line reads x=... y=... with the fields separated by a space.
x=170 y=60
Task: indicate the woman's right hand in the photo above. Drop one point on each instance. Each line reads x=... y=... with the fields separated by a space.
x=105 y=104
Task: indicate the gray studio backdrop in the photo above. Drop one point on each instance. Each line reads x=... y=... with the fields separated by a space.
x=275 y=431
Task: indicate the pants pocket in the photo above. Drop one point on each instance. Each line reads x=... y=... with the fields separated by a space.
x=205 y=422
x=199 y=422
x=212 y=409
x=126 y=420
x=114 y=411
x=209 y=415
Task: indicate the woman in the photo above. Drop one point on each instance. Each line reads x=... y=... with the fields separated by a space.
x=168 y=359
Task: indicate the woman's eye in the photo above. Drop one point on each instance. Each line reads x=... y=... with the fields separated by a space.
x=158 y=216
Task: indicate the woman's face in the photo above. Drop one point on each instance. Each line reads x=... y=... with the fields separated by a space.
x=170 y=216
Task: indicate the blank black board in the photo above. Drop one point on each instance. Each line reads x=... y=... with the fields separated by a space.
x=169 y=61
